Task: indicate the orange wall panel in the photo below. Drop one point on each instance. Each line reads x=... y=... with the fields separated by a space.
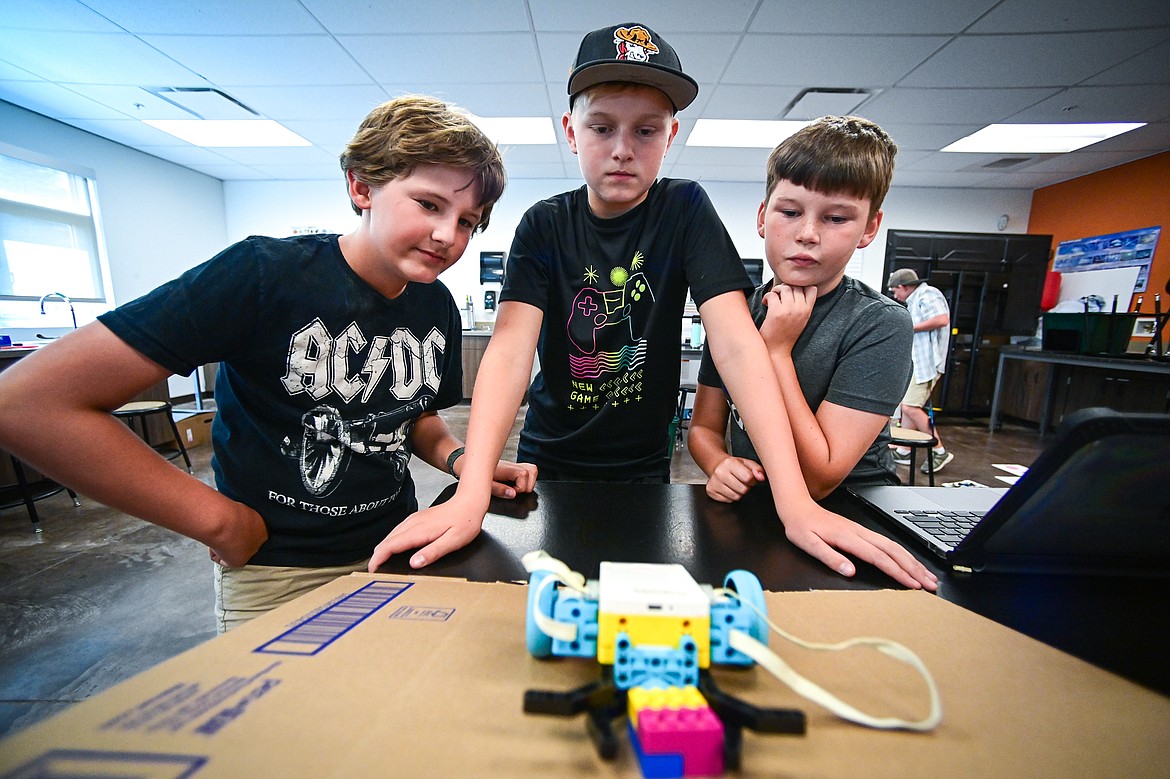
x=1128 y=197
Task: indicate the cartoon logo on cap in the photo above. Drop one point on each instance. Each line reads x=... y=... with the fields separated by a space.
x=634 y=44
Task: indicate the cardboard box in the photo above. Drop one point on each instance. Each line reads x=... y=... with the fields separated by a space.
x=424 y=676
x=195 y=429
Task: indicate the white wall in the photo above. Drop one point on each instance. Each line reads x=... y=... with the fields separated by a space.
x=159 y=219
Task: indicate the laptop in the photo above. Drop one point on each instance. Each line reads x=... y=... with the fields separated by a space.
x=1096 y=501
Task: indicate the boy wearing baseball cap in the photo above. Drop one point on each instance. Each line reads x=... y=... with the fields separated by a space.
x=595 y=283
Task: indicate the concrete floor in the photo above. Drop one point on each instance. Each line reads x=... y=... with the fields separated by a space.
x=98 y=596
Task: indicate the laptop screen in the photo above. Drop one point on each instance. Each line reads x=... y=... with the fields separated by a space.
x=1099 y=492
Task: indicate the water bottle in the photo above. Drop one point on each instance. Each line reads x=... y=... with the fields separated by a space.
x=696 y=332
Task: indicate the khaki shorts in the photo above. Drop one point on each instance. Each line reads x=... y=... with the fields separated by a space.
x=244 y=593
x=918 y=395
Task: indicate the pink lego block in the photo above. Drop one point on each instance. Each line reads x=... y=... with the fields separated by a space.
x=695 y=733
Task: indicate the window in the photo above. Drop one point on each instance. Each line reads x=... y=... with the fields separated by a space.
x=49 y=234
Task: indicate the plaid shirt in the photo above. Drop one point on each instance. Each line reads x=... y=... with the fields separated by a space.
x=930 y=346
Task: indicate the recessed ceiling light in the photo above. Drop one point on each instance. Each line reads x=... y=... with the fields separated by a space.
x=741 y=133
x=517 y=130
x=229 y=132
x=1039 y=138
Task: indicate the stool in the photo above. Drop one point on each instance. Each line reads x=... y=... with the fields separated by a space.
x=141 y=409
x=28 y=492
x=915 y=440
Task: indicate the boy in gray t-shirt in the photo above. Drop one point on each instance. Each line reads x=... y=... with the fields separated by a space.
x=840 y=350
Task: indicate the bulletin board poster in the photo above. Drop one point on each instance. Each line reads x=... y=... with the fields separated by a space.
x=1131 y=249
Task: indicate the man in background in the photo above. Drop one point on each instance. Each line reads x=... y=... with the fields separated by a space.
x=932 y=333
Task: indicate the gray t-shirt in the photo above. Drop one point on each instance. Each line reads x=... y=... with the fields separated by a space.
x=855 y=352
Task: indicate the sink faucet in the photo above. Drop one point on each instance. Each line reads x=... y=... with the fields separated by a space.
x=63 y=298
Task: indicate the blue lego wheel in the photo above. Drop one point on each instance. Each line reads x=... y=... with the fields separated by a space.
x=748 y=587
x=539 y=642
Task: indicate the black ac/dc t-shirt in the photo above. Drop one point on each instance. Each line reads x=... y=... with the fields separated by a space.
x=321 y=381
x=613 y=292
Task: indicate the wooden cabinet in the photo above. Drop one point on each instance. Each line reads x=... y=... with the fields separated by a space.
x=967 y=385
x=1088 y=387
x=1024 y=387
x=474 y=345
x=1033 y=385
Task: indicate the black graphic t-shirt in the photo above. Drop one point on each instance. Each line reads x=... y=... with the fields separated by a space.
x=320 y=383
x=613 y=292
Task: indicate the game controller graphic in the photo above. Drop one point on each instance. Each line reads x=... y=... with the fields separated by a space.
x=611 y=320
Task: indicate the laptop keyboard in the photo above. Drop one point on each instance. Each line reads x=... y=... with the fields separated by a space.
x=950 y=527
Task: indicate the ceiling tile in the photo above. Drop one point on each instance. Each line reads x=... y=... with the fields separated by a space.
x=739 y=101
x=950 y=106
x=1028 y=60
x=187 y=155
x=286 y=60
x=1143 y=141
x=349 y=17
x=742 y=174
x=1146 y=67
x=928 y=137
x=10 y=72
x=731 y=158
x=326 y=133
x=1145 y=103
x=290 y=155
x=302 y=172
x=128 y=132
x=93 y=58
x=1084 y=161
x=519 y=99
x=53 y=100
x=864 y=17
x=131 y=102
x=530 y=155
x=345 y=103
x=1014 y=16
x=233 y=173
x=208 y=17
x=667 y=19
x=62 y=15
x=471 y=58
x=828 y=60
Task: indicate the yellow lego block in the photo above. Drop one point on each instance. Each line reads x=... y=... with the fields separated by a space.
x=665 y=631
x=639 y=698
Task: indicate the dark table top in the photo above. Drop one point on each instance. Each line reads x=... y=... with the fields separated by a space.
x=1120 y=624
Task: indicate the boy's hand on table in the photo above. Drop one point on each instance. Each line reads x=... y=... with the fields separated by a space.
x=438 y=530
x=821 y=533
x=732 y=478
x=245 y=533
x=511 y=479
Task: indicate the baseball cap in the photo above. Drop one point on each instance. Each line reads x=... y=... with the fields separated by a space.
x=903 y=277
x=631 y=52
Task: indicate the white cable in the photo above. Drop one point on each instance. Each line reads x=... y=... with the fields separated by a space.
x=540 y=560
x=565 y=631
x=809 y=690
